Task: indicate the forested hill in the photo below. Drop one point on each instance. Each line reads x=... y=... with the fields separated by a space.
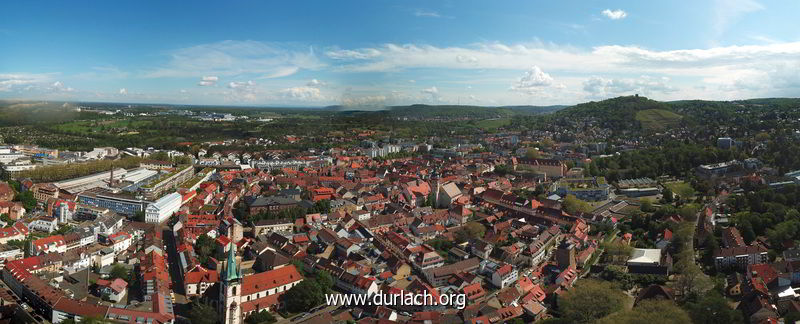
x=630 y=112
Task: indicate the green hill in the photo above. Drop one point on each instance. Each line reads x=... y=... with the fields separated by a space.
x=623 y=113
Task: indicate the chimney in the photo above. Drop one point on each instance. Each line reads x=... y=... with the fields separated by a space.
x=111 y=177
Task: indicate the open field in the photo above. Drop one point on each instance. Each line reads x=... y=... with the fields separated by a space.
x=681 y=188
x=657 y=118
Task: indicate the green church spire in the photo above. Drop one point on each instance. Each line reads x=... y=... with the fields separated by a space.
x=232 y=272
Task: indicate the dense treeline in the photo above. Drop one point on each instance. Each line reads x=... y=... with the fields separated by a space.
x=768 y=212
x=72 y=170
x=673 y=159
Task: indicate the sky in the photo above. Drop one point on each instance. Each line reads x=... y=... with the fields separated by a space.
x=380 y=52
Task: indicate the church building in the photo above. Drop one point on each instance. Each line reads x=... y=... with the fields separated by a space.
x=241 y=296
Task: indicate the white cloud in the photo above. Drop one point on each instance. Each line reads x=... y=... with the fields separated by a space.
x=728 y=12
x=209 y=80
x=430 y=91
x=242 y=91
x=712 y=66
x=123 y=91
x=316 y=83
x=359 y=54
x=599 y=87
x=533 y=81
x=24 y=81
x=466 y=59
x=242 y=84
x=232 y=58
x=615 y=14
x=430 y=94
x=370 y=102
x=302 y=94
x=429 y=14
x=58 y=86
x=390 y=57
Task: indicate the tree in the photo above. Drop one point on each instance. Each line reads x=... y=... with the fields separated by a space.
x=325 y=281
x=617 y=251
x=470 y=231
x=689 y=212
x=20 y=244
x=591 y=300
x=159 y=156
x=205 y=247
x=430 y=201
x=7 y=219
x=502 y=169
x=650 y=311
x=261 y=317
x=4 y=174
x=746 y=228
x=303 y=296
x=573 y=205
x=139 y=216
x=712 y=308
x=647 y=206
x=532 y=153
x=200 y=313
x=691 y=281
x=27 y=199
x=119 y=271
x=666 y=195
x=791 y=317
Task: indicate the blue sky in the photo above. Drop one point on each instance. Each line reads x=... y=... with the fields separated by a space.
x=316 y=53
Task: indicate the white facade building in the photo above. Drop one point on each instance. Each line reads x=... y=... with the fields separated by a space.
x=163 y=208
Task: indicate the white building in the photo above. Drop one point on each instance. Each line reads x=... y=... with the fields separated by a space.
x=51 y=244
x=504 y=276
x=120 y=241
x=104 y=258
x=163 y=208
x=645 y=257
x=355 y=284
x=48 y=225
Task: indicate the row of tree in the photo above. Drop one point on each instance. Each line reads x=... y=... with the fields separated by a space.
x=73 y=170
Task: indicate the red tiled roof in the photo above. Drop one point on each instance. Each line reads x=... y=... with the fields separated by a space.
x=57 y=239
x=84 y=309
x=270 y=279
x=198 y=276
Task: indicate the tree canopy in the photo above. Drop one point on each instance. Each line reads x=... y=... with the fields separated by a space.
x=201 y=313
x=591 y=300
x=648 y=312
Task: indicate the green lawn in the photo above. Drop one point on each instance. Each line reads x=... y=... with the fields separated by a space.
x=657 y=118
x=492 y=124
x=681 y=188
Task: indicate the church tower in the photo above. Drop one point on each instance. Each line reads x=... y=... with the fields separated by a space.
x=436 y=198
x=230 y=290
